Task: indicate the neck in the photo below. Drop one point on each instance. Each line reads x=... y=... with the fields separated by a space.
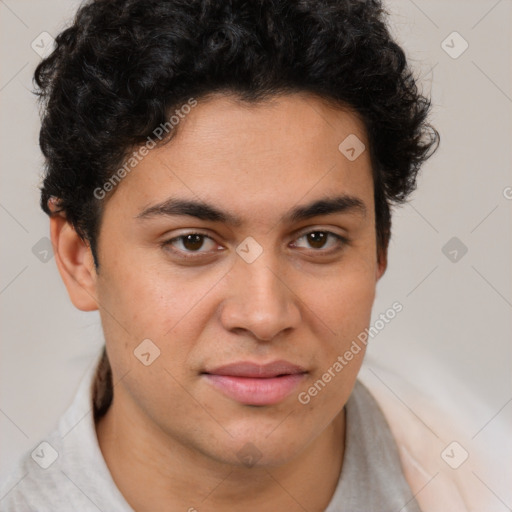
x=151 y=469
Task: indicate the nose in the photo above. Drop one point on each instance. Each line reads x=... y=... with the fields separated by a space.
x=260 y=299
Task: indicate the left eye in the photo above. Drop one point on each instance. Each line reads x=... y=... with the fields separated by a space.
x=318 y=239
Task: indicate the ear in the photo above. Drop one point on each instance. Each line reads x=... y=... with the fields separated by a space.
x=75 y=263
x=382 y=262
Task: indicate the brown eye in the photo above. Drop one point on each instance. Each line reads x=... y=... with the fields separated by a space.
x=190 y=245
x=192 y=242
x=319 y=240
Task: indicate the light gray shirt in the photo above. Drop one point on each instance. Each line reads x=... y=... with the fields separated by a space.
x=66 y=472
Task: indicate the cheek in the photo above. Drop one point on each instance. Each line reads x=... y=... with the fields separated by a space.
x=342 y=311
x=168 y=306
x=342 y=301
x=149 y=298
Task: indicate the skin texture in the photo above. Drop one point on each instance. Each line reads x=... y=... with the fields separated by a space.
x=170 y=437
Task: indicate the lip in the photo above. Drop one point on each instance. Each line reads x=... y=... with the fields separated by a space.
x=254 y=384
x=255 y=370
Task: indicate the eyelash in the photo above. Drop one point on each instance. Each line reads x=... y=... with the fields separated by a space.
x=194 y=255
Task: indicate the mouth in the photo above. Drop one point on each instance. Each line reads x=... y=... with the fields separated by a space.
x=253 y=384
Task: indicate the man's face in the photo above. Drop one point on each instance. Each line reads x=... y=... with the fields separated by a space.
x=267 y=288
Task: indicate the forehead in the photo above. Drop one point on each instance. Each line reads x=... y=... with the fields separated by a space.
x=254 y=156
x=223 y=125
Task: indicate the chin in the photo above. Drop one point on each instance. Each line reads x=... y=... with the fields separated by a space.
x=264 y=448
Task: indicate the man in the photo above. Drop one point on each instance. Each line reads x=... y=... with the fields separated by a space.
x=219 y=182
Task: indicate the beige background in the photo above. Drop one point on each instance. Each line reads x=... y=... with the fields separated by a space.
x=453 y=336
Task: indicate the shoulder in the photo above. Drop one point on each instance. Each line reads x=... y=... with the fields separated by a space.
x=441 y=457
x=66 y=471
x=39 y=482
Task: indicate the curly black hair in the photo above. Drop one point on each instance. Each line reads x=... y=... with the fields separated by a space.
x=124 y=65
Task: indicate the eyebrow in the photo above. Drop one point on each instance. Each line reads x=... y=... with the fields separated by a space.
x=204 y=211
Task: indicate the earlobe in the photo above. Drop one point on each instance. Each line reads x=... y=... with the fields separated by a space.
x=382 y=263
x=75 y=263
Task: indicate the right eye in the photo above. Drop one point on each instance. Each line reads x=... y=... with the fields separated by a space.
x=188 y=244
